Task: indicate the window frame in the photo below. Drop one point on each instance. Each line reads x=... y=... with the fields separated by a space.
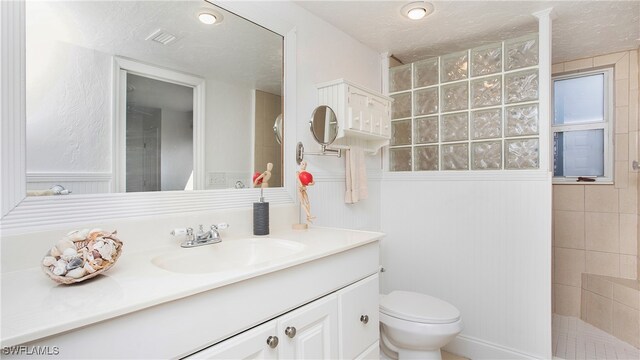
x=606 y=125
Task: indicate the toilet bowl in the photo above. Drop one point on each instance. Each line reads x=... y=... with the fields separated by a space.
x=416 y=326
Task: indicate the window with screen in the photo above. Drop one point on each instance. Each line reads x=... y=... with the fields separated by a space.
x=581 y=126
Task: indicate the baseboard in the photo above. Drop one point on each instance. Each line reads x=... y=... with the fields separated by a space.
x=476 y=349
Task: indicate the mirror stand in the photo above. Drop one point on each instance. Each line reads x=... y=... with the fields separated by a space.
x=324 y=152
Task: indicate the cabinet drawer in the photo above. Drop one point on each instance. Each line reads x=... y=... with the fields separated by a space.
x=359 y=118
x=356 y=302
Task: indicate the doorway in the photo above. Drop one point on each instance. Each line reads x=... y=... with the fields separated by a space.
x=159 y=124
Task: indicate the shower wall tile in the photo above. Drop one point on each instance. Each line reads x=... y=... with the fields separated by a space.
x=426 y=158
x=400 y=159
x=400 y=78
x=486 y=155
x=521 y=52
x=425 y=73
x=486 y=92
x=454 y=67
x=455 y=127
x=455 y=96
x=426 y=130
x=425 y=101
x=522 y=154
x=401 y=132
x=455 y=157
x=486 y=60
x=521 y=120
x=486 y=124
x=401 y=106
x=521 y=86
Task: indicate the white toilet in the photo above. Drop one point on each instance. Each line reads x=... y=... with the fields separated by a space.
x=416 y=326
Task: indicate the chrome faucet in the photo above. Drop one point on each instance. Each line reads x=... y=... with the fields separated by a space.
x=201 y=237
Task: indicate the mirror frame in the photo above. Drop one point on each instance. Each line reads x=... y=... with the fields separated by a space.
x=312 y=128
x=23 y=215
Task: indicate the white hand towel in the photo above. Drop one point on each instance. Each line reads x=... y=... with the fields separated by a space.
x=356 y=176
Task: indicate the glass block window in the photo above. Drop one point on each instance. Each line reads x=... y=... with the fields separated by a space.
x=471 y=110
x=581 y=126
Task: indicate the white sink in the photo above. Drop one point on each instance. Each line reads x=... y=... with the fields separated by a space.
x=226 y=255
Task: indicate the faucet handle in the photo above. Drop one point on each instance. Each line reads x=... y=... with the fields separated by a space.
x=181 y=231
x=220 y=226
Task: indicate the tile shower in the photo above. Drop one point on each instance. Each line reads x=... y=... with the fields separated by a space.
x=471 y=110
x=595 y=236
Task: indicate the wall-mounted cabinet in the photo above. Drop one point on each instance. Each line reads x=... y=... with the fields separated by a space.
x=364 y=116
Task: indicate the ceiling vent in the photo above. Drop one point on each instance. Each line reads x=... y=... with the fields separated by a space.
x=162 y=37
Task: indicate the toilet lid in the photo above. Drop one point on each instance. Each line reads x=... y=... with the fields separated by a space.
x=417 y=307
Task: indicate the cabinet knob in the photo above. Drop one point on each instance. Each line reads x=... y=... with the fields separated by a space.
x=364 y=319
x=290 y=331
x=272 y=341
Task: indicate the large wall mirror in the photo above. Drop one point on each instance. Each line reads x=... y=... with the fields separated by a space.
x=227 y=86
x=138 y=96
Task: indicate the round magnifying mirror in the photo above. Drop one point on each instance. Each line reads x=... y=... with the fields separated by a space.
x=324 y=125
x=277 y=129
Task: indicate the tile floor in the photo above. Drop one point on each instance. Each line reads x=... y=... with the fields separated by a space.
x=575 y=339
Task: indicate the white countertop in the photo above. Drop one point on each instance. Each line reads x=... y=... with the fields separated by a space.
x=33 y=306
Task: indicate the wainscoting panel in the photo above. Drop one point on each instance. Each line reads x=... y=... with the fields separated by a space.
x=485 y=247
x=77 y=183
x=329 y=208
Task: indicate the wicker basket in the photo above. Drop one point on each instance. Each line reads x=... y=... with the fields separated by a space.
x=79 y=245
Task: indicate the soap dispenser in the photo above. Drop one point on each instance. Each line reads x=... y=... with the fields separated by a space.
x=261 y=208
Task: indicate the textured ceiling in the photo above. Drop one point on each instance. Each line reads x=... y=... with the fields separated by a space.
x=581 y=29
x=235 y=51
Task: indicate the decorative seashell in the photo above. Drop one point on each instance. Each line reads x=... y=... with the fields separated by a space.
x=105 y=251
x=74 y=263
x=69 y=254
x=75 y=235
x=89 y=268
x=60 y=267
x=86 y=258
x=86 y=254
x=63 y=244
x=77 y=273
x=48 y=260
x=55 y=252
x=96 y=233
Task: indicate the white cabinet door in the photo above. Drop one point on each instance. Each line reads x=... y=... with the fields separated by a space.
x=260 y=342
x=310 y=332
x=359 y=319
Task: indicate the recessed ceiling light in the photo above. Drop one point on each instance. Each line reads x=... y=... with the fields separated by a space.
x=417 y=10
x=209 y=17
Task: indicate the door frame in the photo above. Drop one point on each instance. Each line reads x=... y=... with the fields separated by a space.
x=123 y=66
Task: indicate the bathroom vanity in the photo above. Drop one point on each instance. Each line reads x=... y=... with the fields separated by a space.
x=293 y=294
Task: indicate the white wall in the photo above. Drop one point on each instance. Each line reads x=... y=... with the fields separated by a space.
x=68 y=108
x=324 y=53
x=482 y=246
